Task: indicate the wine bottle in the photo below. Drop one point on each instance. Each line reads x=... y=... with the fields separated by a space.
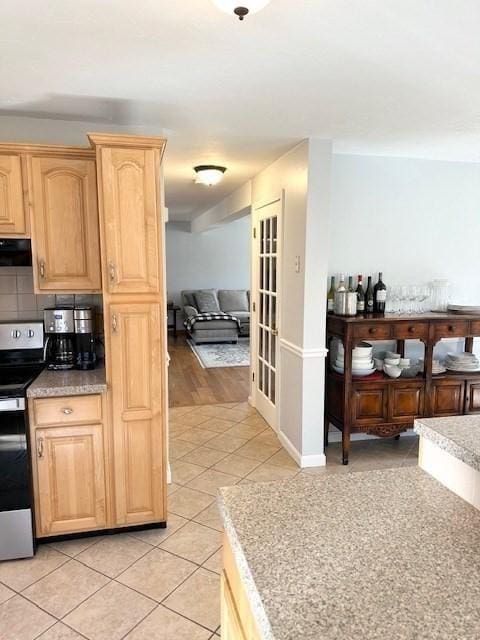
x=341 y=297
x=331 y=296
x=350 y=284
x=379 y=295
x=360 y=295
x=369 y=296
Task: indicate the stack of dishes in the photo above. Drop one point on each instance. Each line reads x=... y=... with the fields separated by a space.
x=464 y=308
x=462 y=362
x=362 y=361
x=437 y=368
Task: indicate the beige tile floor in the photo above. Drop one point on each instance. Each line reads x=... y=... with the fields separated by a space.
x=164 y=584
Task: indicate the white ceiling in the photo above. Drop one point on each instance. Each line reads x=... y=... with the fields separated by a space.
x=398 y=77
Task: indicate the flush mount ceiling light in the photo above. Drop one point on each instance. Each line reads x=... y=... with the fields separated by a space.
x=209 y=174
x=241 y=8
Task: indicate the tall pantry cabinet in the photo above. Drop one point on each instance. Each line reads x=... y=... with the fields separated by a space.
x=131 y=214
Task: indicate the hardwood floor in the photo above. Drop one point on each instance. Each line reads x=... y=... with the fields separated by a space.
x=189 y=383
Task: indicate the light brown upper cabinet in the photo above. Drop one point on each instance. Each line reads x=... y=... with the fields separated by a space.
x=13 y=221
x=137 y=396
x=130 y=186
x=65 y=224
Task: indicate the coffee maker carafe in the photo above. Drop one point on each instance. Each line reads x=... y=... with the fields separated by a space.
x=60 y=342
x=84 y=339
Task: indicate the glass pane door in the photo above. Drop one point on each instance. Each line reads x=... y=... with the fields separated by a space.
x=267 y=316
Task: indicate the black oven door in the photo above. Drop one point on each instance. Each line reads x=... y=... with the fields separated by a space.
x=16 y=535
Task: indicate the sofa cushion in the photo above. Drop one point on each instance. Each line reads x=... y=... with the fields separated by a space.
x=213 y=325
x=206 y=301
x=231 y=300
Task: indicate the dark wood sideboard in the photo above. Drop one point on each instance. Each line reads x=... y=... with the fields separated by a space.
x=384 y=406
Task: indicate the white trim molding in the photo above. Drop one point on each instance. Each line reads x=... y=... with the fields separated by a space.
x=320 y=352
x=304 y=462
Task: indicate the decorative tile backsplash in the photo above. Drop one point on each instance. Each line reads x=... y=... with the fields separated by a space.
x=18 y=302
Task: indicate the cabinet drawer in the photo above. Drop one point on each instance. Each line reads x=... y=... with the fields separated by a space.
x=475 y=328
x=67 y=410
x=413 y=330
x=375 y=331
x=451 y=329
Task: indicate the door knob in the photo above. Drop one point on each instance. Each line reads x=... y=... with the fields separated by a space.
x=274 y=332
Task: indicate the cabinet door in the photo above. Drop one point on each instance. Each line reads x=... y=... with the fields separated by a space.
x=231 y=624
x=12 y=210
x=472 y=397
x=406 y=402
x=448 y=397
x=370 y=405
x=137 y=412
x=70 y=479
x=65 y=219
x=130 y=187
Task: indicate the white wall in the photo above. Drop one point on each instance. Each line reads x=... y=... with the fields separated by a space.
x=304 y=176
x=217 y=258
x=415 y=220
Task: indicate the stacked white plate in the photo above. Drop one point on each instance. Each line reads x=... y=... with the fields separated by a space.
x=437 y=368
x=463 y=362
x=362 y=361
x=464 y=308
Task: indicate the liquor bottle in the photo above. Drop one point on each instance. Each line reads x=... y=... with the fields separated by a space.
x=379 y=295
x=341 y=297
x=369 y=296
x=350 y=284
x=360 y=296
x=331 y=296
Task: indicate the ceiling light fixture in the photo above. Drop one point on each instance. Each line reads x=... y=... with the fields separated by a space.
x=209 y=174
x=241 y=8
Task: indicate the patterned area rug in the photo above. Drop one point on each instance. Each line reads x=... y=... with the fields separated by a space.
x=222 y=354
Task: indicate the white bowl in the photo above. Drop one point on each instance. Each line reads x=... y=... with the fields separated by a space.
x=404 y=362
x=362 y=365
x=392 y=371
x=392 y=361
x=393 y=356
x=378 y=364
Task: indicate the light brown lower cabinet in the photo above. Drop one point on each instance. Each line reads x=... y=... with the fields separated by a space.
x=68 y=456
x=237 y=619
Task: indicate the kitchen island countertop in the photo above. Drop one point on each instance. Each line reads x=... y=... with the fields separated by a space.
x=377 y=555
x=72 y=382
x=457 y=435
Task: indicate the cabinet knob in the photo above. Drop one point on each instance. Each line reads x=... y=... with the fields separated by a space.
x=114 y=323
x=450 y=327
x=67 y=411
x=372 y=330
x=411 y=329
x=41 y=268
x=40 y=447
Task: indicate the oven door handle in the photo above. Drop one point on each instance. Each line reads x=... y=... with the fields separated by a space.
x=12 y=404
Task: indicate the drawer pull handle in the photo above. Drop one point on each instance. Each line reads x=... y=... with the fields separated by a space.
x=67 y=411
x=411 y=329
x=42 y=268
x=114 y=323
x=372 y=330
x=40 y=447
x=450 y=327
x=113 y=271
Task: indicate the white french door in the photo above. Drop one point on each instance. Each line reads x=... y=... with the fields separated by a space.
x=266 y=274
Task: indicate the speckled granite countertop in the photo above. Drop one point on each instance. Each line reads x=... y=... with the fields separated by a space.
x=459 y=435
x=68 y=383
x=377 y=555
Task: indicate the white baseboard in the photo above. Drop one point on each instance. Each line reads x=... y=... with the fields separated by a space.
x=304 y=462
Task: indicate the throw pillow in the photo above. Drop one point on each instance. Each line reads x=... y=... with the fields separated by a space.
x=206 y=302
x=233 y=300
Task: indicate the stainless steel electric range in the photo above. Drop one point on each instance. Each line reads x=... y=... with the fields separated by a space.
x=21 y=360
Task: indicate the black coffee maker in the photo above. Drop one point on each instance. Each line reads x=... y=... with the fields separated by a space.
x=60 y=342
x=86 y=356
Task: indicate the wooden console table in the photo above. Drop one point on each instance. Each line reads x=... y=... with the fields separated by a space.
x=384 y=406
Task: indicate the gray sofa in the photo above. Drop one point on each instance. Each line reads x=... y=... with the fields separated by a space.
x=236 y=302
